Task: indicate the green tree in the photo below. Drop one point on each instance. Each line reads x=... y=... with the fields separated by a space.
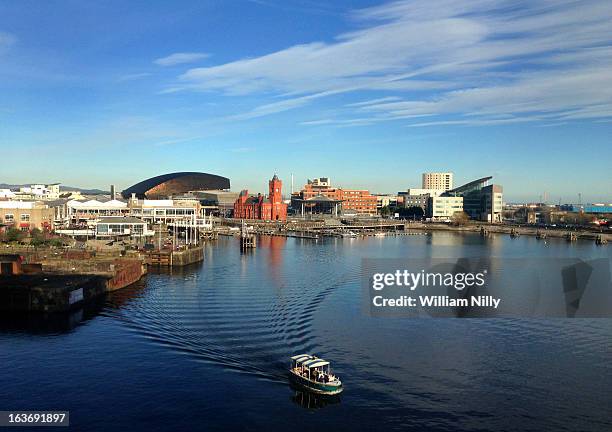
x=385 y=211
x=56 y=242
x=37 y=237
x=14 y=235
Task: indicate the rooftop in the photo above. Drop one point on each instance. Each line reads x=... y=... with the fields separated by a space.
x=320 y=199
x=22 y=204
x=121 y=219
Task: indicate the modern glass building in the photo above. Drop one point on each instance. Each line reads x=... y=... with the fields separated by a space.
x=481 y=200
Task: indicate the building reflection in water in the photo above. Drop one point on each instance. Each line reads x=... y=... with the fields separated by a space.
x=124 y=296
x=50 y=323
x=65 y=322
x=274 y=246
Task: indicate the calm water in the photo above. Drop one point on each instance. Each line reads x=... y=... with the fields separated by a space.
x=206 y=347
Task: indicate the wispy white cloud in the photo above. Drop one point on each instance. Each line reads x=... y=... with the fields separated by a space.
x=134 y=76
x=374 y=101
x=180 y=58
x=478 y=62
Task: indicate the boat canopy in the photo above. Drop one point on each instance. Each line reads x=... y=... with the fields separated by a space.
x=301 y=358
x=315 y=363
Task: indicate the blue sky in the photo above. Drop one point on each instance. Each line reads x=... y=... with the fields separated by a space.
x=369 y=93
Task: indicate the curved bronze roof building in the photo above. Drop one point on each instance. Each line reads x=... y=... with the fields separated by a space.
x=175 y=184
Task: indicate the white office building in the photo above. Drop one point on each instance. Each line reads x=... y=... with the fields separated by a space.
x=39 y=192
x=444 y=207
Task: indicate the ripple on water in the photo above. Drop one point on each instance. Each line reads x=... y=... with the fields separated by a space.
x=248 y=313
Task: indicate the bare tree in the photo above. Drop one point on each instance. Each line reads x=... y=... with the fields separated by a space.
x=460 y=218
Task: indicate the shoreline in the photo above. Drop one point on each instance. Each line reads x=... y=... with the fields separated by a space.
x=319 y=228
x=512 y=230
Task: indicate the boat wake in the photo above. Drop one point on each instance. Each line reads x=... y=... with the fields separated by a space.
x=249 y=327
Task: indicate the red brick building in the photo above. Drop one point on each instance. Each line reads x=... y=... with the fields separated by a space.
x=258 y=207
x=353 y=201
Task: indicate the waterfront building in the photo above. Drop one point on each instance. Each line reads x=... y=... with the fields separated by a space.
x=481 y=201
x=220 y=201
x=118 y=226
x=385 y=201
x=167 y=185
x=258 y=207
x=151 y=211
x=444 y=207
x=26 y=215
x=438 y=180
x=528 y=215
x=319 y=205
x=164 y=211
x=79 y=212
x=418 y=197
x=353 y=201
x=415 y=200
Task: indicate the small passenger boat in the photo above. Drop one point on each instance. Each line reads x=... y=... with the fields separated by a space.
x=314 y=374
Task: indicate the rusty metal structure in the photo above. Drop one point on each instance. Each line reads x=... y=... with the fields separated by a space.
x=173 y=184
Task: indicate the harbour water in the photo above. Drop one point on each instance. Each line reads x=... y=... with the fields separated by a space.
x=207 y=347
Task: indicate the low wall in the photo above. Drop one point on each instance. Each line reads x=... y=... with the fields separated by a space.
x=48 y=293
x=126 y=273
x=188 y=256
x=118 y=272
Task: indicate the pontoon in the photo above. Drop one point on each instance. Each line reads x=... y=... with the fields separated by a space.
x=314 y=374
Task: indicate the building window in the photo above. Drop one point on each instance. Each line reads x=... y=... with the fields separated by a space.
x=9 y=217
x=116 y=229
x=24 y=217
